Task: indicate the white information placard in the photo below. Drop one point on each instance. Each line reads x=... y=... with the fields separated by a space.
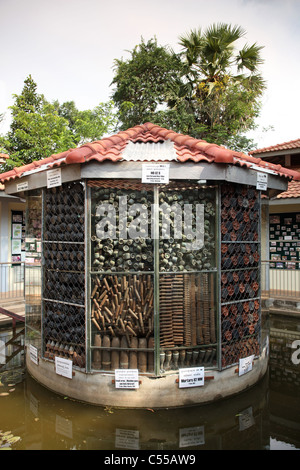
x=191 y=436
x=63 y=367
x=127 y=378
x=33 y=354
x=245 y=365
x=262 y=181
x=155 y=173
x=54 y=178
x=246 y=419
x=127 y=439
x=22 y=186
x=191 y=377
x=2 y=352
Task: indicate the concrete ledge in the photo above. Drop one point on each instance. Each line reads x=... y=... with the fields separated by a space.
x=154 y=392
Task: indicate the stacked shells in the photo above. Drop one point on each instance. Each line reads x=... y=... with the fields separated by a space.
x=184 y=245
x=123 y=317
x=125 y=212
x=64 y=273
x=186 y=241
x=240 y=280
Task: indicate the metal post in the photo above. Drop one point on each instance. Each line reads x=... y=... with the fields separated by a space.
x=218 y=275
x=155 y=221
x=87 y=238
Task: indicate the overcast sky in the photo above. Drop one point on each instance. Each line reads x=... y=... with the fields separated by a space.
x=69 y=47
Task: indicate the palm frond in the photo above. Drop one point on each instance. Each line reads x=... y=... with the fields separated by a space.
x=249 y=57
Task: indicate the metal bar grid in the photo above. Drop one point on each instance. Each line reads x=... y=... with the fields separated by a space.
x=63 y=274
x=104 y=321
x=240 y=278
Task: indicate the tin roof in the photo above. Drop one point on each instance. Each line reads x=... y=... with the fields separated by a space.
x=137 y=143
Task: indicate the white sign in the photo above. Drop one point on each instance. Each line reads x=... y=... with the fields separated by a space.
x=22 y=186
x=127 y=378
x=262 y=181
x=33 y=354
x=127 y=439
x=245 y=365
x=191 y=436
x=155 y=173
x=191 y=377
x=2 y=352
x=246 y=419
x=54 y=178
x=63 y=367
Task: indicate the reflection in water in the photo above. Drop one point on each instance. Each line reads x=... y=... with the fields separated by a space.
x=285 y=382
x=266 y=416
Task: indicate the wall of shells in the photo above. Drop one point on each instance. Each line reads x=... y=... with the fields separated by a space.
x=240 y=272
x=63 y=293
x=122 y=282
x=122 y=287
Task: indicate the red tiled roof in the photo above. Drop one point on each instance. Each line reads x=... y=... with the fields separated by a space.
x=292 y=191
x=292 y=144
x=186 y=149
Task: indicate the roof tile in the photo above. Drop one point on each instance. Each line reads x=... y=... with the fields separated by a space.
x=292 y=191
x=292 y=144
x=186 y=148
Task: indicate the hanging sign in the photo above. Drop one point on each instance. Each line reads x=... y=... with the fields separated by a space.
x=54 y=178
x=127 y=378
x=155 y=173
x=262 y=181
x=63 y=367
x=245 y=365
x=191 y=377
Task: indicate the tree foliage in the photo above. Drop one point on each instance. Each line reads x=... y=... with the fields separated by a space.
x=40 y=128
x=210 y=89
x=143 y=83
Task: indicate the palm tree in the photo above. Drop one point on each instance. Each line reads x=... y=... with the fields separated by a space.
x=212 y=56
x=215 y=70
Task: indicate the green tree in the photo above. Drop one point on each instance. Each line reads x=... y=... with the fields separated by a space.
x=142 y=84
x=40 y=128
x=90 y=124
x=36 y=130
x=209 y=90
x=221 y=84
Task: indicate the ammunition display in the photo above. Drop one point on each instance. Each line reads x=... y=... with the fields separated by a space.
x=121 y=227
x=123 y=315
x=186 y=245
x=122 y=304
x=63 y=290
x=240 y=280
x=187 y=319
x=122 y=270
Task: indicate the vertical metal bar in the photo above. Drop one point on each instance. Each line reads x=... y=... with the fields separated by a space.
x=87 y=238
x=42 y=264
x=218 y=276
x=155 y=221
x=259 y=268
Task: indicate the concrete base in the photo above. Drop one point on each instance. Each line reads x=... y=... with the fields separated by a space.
x=154 y=392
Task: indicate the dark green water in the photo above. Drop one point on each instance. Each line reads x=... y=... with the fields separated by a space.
x=264 y=417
